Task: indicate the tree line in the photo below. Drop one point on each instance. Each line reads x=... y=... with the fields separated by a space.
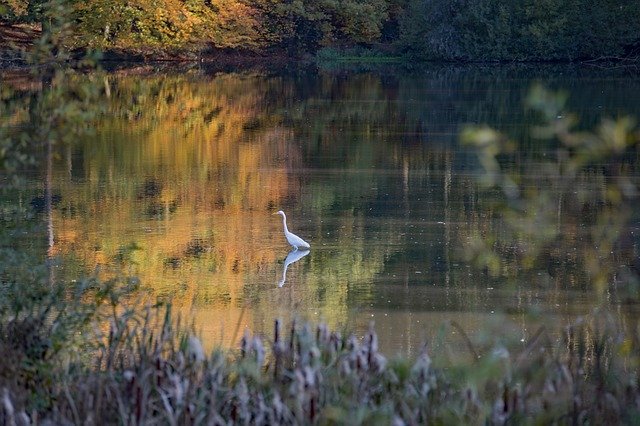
x=453 y=30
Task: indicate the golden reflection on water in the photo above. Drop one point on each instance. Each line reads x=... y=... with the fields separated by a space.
x=180 y=181
x=179 y=190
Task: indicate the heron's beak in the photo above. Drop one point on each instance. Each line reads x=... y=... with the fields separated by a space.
x=273 y=214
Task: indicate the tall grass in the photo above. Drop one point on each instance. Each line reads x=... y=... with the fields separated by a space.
x=148 y=369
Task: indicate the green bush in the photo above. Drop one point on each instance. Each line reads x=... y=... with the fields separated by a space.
x=521 y=30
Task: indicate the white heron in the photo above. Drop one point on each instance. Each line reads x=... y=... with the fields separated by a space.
x=295 y=241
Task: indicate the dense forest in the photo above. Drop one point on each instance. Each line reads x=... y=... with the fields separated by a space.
x=452 y=30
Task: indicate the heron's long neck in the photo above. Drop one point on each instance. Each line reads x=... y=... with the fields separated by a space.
x=284 y=222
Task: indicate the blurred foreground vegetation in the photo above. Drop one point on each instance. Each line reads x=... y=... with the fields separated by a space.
x=461 y=30
x=571 y=204
x=145 y=370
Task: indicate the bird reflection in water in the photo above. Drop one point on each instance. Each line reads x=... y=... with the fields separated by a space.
x=293 y=256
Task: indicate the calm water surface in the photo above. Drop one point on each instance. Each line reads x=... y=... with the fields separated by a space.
x=179 y=183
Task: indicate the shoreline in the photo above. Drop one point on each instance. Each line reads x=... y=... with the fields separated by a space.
x=16 y=39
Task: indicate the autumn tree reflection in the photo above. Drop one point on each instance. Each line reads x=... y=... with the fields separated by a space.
x=180 y=181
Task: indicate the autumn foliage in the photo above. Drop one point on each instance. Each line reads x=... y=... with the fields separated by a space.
x=467 y=30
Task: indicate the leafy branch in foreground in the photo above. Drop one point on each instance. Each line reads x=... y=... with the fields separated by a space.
x=42 y=321
x=570 y=202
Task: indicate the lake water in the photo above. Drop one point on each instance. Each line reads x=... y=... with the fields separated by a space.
x=180 y=181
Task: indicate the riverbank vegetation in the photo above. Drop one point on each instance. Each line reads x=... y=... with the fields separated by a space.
x=140 y=369
x=463 y=30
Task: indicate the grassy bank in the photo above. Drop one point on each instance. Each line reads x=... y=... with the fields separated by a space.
x=147 y=372
x=146 y=369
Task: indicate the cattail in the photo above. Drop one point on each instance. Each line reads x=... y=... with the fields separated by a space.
x=278 y=408
x=299 y=382
x=378 y=363
x=259 y=350
x=352 y=343
x=8 y=408
x=345 y=367
x=312 y=408
x=276 y=331
x=292 y=336
x=322 y=334
x=244 y=344
x=371 y=343
x=278 y=350
x=397 y=421
x=336 y=342
x=314 y=355
x=195 y=350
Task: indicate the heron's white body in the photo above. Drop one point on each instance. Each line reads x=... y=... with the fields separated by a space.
x=295 y=241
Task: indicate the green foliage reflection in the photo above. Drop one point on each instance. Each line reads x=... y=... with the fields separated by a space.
x=569 y=204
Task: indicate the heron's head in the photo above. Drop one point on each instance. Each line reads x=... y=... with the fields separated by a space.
x=280 y=212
